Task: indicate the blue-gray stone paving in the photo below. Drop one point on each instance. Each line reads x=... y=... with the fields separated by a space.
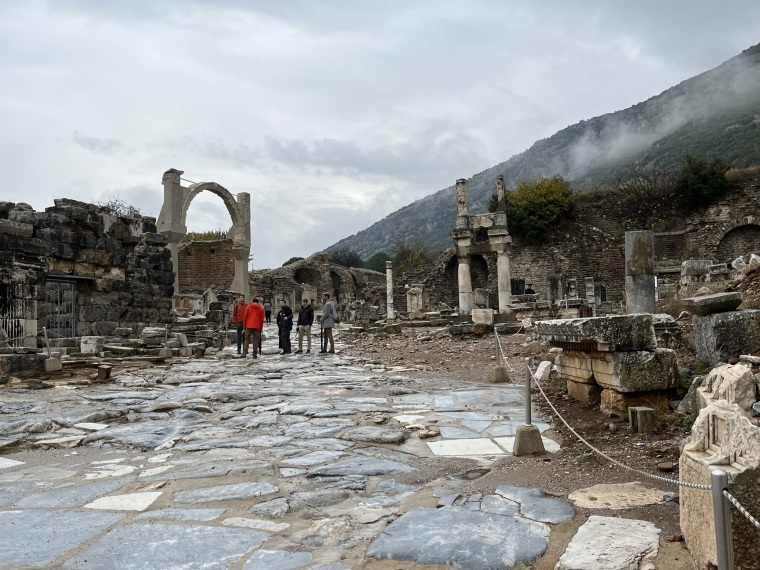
x=278 y=463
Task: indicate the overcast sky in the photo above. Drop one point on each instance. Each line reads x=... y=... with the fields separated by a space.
x=331 y=114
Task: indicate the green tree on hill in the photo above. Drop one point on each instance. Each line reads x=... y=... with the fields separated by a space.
x=377 y=262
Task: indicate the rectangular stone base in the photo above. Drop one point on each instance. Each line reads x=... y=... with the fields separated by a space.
x=584 y=392
x=614 y=402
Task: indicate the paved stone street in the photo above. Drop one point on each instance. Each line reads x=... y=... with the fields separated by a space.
x=296 y=461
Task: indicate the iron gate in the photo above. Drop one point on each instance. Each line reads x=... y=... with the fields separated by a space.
x=12 y=312
x=61 y=296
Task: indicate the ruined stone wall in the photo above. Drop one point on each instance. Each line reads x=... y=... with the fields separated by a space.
x=314 y=275
x=205 y=264
x=593 y=245
x=86 y=272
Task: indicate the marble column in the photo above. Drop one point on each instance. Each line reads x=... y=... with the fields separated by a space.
x=503 y=281
x=639 y=272
x=465 y=285
x=240 y=283
x=389 y=290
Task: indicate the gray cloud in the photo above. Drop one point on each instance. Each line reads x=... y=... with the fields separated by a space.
x=96 y=145
x=331 y=113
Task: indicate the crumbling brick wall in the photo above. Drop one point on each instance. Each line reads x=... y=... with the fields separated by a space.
x=204 y=264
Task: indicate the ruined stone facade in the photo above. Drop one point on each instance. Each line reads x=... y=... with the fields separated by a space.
x=593 y=245
x=312 y=276
x=78 y=270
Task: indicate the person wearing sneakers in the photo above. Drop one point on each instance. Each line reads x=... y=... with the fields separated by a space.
x=305 y=319
x=329 y=316
x=253 y=322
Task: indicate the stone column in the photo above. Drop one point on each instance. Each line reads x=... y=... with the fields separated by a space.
x=503 y=281
x=465 y=285
x=389 y=290
x=169 y=221
x=639 y=272
x=241 y=283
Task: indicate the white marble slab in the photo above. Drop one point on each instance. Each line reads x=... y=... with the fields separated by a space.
x=258 y=524
x=90 y=426
x=128 y=502
x=465 y=447
x=6 y=463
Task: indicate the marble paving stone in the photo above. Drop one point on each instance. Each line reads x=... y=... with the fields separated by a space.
x=464 y=447
x=330 y=566
x=449 y=432
x=474 y=416
x=71 y=496
x=104 y=471
x=127 y=502
x=276 y=508
x=502 y=430
x=499 y=506
x=182 y=514
x=476 y=425
x=616 y=496
x=597 y=545
x=376 y=434
x=257 y=524
x=10 y=492
x=385 y=453
x=536 y=506
x=483 y=540
x=409 y=418
x=37 y=537
x=393 y=487
x=291 y=472
x=365 y=466
x=235 y=491
x=156 y=470
x=89 y=426
x=5 y=463
x=313 y=458
x=37 y=474
x=277 y=560
x=137 y=547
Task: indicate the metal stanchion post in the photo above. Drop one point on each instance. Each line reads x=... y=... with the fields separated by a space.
x=527 y=392
x=723 y=542
x=47 y=343
x=496 y=347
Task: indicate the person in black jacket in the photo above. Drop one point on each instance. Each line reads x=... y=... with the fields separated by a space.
x=285 y=324
x=305 y=319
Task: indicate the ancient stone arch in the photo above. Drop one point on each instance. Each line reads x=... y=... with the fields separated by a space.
x=172 y=223
x=739 y=238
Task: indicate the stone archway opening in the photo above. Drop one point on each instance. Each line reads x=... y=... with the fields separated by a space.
x=335 y=278
x=737 y=242
x=172 y=222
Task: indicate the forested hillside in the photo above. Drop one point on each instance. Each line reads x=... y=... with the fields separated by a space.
x=715 y=114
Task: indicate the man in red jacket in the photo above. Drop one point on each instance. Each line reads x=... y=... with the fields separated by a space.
x=238 y=313
x=253 y=321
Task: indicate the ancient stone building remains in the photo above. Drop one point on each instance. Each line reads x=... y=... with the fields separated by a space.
x=77 y=270
x=310 y=277
x=172 y=224
x=613 y=360
x=206 y=264
x=484 y=233
x=721 y=437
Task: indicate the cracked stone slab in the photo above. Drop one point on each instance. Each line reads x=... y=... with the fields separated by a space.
x=182 y=514
x=313 y=458
x=5 y=463
x=484 y=540
x=366 y=466
x=597 y=545
x=233 y=492
x=38 y=537
x=158 y=546
x=277 y=560
x=71 y=496
x=376 y=434
x=536 y=506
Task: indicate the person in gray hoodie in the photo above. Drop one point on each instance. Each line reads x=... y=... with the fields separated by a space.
x=329 y=317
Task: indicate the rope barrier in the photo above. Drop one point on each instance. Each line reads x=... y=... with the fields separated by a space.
x=607 y=457
x=501 y=351
x=734 y=501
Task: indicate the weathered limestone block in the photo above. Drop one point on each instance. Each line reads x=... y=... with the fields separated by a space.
x=584 y=392
x=482 y=316
x=721 y=336
x=752 y=265
x=24 y=364
x=721 y=433
x=638 y=371
x=641 y=419
x=612 y=333
x=151 y=332
x=733 y=383
x=710 y=304
x=614 y=402
x=91 y=344
x=16 y=229
x=575 y=366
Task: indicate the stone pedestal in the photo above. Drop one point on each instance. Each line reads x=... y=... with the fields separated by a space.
x=528 y=441
x=499 y=375
x=465 y=286
x=503 y=281
x=389 y=289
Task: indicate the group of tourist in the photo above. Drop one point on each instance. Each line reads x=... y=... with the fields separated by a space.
x=249 y=321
